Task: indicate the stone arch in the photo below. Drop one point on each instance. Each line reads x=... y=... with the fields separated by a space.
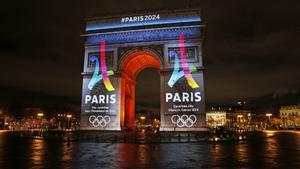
x=128 y=52
x=130 y=66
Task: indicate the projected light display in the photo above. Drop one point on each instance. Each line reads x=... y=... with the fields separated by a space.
x=182 y=102
x=100 y=98
x=184 y=120
x=96 y=75
x=142 y=20
x=99 y=121
x=186 y=72
x=169 y=42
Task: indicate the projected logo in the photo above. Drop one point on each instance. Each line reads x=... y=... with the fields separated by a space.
x=184 y=120
x=97 y=76
x=99 y=121
x=186 y=69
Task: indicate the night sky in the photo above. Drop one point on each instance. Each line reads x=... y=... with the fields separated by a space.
x=251 y=48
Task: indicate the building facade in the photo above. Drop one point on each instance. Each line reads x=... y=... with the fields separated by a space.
x=215 y=119
x=290 y=116
x=118 y=47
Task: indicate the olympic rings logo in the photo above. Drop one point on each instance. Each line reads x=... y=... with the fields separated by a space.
x=98 y=121
x=184 y=120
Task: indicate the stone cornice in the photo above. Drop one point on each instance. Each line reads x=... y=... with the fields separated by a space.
x=144 y=35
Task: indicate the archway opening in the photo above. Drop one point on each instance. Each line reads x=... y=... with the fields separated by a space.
x=147 y=100
x=131 y=67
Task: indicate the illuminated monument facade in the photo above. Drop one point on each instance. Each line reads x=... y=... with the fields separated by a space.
x=118 y=48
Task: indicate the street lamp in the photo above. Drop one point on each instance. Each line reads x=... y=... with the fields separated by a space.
x=269 y=115
x=69 y=116
x=142 y=119
x=40 y=115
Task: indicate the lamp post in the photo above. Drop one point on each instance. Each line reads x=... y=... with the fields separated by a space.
x=69 y=116
x=142 y=119
x=269 y=117
x=40 y=116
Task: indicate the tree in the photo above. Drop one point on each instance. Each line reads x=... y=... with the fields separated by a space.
x=276 y=122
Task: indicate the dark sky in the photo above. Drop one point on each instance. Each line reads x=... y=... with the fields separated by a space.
x=251 y=48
